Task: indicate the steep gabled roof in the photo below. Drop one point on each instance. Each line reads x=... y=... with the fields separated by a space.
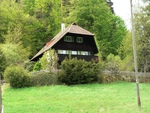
x=73 y=28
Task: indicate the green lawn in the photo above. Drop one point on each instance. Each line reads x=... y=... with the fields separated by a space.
x=117 y=97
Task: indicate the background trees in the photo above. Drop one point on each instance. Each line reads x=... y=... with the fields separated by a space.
x=39 y=21
x=96 y=16
x=34 y=22
x=12 y=49
x=142 y=28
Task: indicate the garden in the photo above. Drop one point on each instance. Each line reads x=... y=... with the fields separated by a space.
x=78 y=87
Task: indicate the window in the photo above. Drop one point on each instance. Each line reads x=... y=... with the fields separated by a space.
x=69 y=39
x=61 y=51
x=84 y=53
x=74 y=52
x=79 y=39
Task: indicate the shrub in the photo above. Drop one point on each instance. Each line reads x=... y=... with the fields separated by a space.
x=17 y=76
x=113 y=64
x=41 y=78
x=109 y=78
x=3 y=64
x=49 y=60
x=76 y=71
x=37 y=66
x=29 y=65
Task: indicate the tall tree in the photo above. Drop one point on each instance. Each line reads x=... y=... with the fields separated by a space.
x=126 y=53
x=48 y=12
x=13 y=50
x=39 y=20
x=142 y=28
x=96 y=16
x=12 y=14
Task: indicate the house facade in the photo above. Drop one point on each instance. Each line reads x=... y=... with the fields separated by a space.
x=74 y=41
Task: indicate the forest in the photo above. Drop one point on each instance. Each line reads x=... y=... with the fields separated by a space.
x=26 y=25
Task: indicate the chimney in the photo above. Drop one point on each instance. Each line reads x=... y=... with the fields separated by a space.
x=62 y=26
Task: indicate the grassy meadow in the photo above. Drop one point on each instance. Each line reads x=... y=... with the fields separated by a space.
x=119 y=97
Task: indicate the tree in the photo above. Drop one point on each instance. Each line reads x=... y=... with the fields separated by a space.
x=96 y=16
x=67 y=7
x=39 y=20
x=142 y=27
x=29 y=25
x=13 y=50
x=49 y=14
x=49 y=60
x=126 y=53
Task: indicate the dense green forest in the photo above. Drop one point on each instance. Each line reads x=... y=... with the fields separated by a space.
x=26 y=25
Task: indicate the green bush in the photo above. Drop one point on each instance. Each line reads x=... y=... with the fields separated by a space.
x=49 y=60
x=113 y=64
x=17 y=76
x=76 y=71
x=37 y=66
x=109 y=78
x=3 y=64
x=29 y=65
x=41 y=78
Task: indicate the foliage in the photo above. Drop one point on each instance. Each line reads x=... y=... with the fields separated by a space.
x=37 y=66
x=2 y=64
x=49 y=14
x=126 y=54
x=96 y=16
x=29 y=65
x=67 y=7
x=16 y=54
x=17 y=76
x=14 y=35
x=107 y=78
x=142 y=27
x=127 y=64
x=76 y=71
x=31 y=23
x=49 y=60
x=43 y=62
x=126 y=48
x=41 y=78
x=129 y=78
x=113 y=64
x=38 y=20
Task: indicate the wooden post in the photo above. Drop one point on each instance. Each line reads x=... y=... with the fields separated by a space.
x=135 y=56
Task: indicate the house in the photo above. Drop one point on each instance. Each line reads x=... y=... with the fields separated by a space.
x=74 y=41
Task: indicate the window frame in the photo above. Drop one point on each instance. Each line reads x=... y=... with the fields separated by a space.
x=69 y=39
x=79 y=39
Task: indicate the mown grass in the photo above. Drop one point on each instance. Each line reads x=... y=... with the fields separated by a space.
x=117 y=97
